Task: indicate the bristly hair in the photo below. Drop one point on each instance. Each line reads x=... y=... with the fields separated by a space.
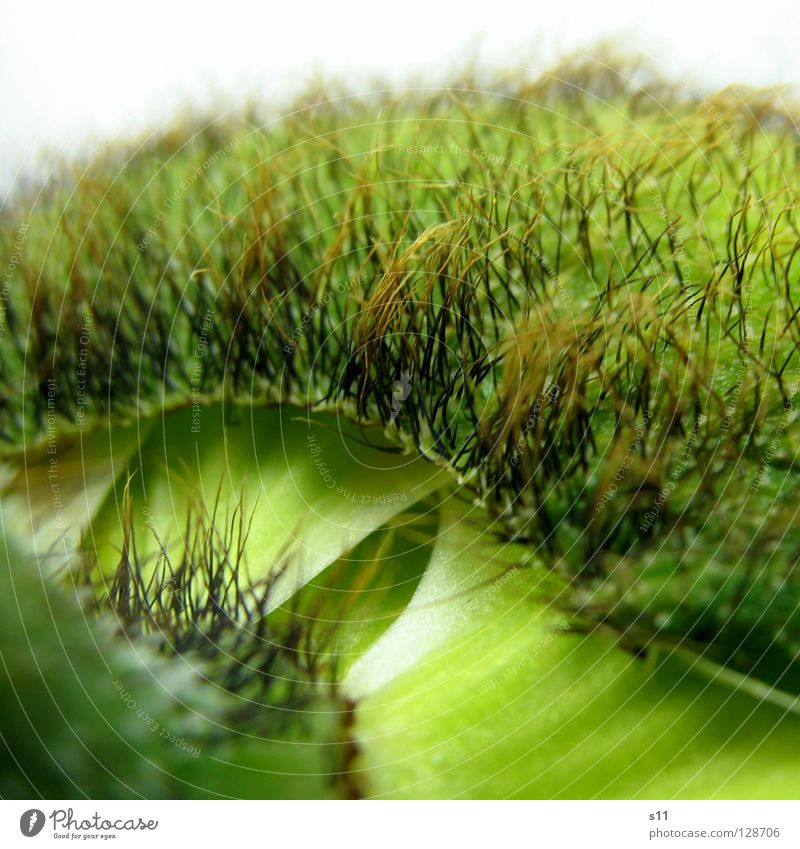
x=592 y=281
x=205 y=609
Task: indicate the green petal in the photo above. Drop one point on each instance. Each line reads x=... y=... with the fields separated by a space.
x=508 y=703
x=82 y=712
x=306 y=491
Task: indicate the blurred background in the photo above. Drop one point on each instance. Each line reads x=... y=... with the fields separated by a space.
x=76 y=74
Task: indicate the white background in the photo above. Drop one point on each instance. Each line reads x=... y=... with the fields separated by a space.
x=429 y=825
x=77 y=72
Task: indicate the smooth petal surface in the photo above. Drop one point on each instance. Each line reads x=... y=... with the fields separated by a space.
x=504 y=701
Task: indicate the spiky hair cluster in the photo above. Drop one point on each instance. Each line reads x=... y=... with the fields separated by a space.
x=591 y=281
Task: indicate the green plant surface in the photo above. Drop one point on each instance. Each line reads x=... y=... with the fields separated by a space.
x=507 y=702
x=438 y=443
x=88 y=714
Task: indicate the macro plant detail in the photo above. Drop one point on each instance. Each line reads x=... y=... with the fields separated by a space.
x=438 y=443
